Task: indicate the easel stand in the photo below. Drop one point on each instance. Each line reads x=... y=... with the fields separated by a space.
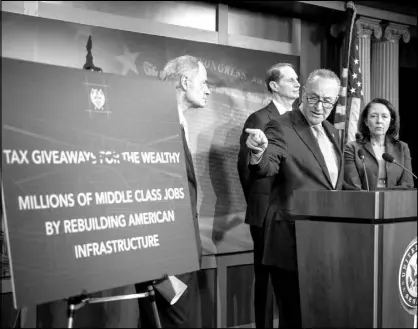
x=78 y=302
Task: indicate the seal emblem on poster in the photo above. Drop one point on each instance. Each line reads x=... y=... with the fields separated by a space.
x=98 y=98
x=97 y=94
x=407 y=280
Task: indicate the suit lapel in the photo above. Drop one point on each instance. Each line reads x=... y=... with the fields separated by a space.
x=368 y=147
x=273 y=111
x=304 y=131
x=189 y=160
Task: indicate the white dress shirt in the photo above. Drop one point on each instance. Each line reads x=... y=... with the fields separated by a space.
x=280 y=107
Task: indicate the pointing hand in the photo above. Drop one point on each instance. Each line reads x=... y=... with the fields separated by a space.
x=256 y=140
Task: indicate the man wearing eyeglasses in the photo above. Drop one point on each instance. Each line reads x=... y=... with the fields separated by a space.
x=301 y=150
x=282 y=82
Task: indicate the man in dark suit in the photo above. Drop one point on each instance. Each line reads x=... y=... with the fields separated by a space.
x=301 y=150
x=189 y=76
x=282 y=82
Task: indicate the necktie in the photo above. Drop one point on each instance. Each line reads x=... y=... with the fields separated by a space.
x=329 y=154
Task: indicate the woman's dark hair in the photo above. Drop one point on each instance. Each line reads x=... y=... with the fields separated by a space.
x=363 y=133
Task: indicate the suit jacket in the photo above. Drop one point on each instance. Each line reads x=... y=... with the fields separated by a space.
x=256 y=191
x=191 y=177
x=293 y=156
x=396 y=176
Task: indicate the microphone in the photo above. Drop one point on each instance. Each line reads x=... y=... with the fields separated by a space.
x=361 y=156
x=387 y=157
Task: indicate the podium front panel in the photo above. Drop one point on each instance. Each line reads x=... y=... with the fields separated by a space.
x=336 y=274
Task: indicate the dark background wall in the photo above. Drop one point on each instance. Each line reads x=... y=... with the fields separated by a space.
x=408 y=72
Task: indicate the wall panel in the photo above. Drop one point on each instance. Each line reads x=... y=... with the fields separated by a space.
x=198 y=15
x=259 y=25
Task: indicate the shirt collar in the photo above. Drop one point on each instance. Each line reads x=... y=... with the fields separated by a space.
x=182 y=119
x=280 y=107
x=310 y=125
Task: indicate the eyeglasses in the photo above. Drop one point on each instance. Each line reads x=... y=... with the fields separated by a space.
x=325 y=104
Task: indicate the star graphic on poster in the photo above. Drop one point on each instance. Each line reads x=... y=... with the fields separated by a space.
x=128 y=60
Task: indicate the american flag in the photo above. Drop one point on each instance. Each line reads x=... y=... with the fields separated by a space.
x=351 y=92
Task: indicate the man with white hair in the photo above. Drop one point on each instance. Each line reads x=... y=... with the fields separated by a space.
x=189 y=77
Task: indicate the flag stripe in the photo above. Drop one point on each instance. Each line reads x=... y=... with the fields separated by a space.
x=343 y=91
x=340 y=125
x=344 y=73
x=353 y=119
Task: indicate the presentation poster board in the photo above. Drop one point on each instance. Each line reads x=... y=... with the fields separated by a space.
x=236 y=80
x=95 y=191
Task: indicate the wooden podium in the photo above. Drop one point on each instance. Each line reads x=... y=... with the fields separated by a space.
x=349 y=246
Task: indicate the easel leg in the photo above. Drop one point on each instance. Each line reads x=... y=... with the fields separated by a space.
x=75 y=303
x=154 y=306
x=71 y=313
x=18 y=318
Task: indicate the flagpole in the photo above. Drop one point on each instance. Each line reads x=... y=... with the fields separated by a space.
x=351 y=5
x=341 y=110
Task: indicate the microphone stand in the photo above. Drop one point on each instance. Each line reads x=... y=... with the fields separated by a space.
x=365 y=173
x=388 y=158
x=404 y=169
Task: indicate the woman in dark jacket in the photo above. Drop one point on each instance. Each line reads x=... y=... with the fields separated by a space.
x=378 y=131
